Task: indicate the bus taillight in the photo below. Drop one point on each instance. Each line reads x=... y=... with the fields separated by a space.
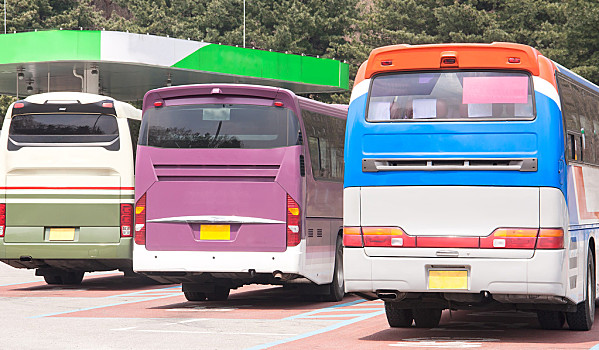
x=511 y=238
x=2 y=219
x=387 y=237
x=140 y=221
x=550 y=238
x=352 y=237
x=126 y=219
x=293 y=222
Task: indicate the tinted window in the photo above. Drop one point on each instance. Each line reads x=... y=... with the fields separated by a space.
x=219 y=126
x=451 y=95
x=326 y=136
x=39 y=129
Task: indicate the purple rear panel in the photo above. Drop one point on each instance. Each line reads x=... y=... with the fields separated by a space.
x=247 y=183
x=182 y=185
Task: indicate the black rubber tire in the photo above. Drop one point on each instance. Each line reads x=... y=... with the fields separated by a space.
x=72 y=277
x=220 y=294
x=426 y=318
x=52 y=279
x=551 y=320
x=398 y=318
x=337 y=287
x=582 y=319
x=194 y=296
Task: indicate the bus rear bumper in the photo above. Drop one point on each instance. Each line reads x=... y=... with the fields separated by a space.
x=543 y=274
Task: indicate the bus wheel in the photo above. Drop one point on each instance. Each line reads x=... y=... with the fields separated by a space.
x=582 y=319
x=427 y=318
x=194 y=296
x=337 y=287
x=220 y=293
x=52 y=279
x=398 y=318
x=72 y=277
x=551 y=319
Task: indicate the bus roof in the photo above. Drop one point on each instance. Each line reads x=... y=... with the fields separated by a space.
x=124 y=110
x=260 y=91
x=497 y=55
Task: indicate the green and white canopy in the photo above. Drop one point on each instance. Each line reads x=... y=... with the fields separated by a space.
x=126 y=65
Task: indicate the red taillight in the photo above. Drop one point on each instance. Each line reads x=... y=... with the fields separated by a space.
x=126 y=219
x=107 y=105
x=158 y=104
x=513 y=60
x=278 y=104
x=387 y=63
x=140 y=221
x=19 y=105
x=550 y=238
x=2 y=219
x=511 y=238
x=387 y=237
x=352 y=237
x=293 y=222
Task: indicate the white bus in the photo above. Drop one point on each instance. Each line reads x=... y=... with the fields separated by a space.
x=66 y=185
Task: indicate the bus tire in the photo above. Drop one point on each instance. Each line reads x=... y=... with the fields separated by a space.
x=52 y=279
x=396 y=317
x=194 y=296
x=582 y=319
x=72 y=277
x=220 y=293
x=426 y=318
x=551 y=320
x=337 y=287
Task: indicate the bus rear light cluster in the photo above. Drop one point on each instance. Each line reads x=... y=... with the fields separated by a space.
x=293 y=222
x=2 y=219
x=501 y=238
x=140 y=221
x=126 y=220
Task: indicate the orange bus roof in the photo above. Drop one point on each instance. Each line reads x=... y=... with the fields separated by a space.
x=467 y=56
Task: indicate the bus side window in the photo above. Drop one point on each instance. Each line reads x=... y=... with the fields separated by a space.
x=574 y=147
x=134 y=131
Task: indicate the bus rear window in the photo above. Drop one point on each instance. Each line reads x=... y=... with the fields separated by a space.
x=63 y=129
x=219 y=126
x=451 y=95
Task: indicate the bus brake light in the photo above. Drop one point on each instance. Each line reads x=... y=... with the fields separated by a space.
x=352 y=237
x=140 y=221
x=293 y=222
x=387 y=237
x=126 y=219
x=19 y=105
x=2 y=219
x=513 y=60
x=550 y=238
x=511 y=238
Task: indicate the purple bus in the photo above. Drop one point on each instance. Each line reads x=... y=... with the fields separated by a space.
x=239 y=184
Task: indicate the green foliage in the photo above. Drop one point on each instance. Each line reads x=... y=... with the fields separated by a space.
x=5 y=102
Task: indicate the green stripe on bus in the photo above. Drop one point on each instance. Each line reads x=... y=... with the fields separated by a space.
x=62 y=214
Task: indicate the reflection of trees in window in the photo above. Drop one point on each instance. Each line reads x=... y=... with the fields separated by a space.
x=185 y=138
x=326 y=136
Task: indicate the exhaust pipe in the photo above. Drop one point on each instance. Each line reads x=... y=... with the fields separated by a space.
x=277 y=275
x=391 y=295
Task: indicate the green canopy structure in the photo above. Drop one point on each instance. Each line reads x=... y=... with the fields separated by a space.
x=125 y=65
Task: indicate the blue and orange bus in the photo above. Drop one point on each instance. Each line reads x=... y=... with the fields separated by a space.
x=471 y=180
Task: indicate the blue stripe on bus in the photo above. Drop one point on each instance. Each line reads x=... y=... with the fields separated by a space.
x=541 y=138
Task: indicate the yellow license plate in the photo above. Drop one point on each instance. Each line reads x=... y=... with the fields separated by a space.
x=452 y=279
x=62 y=234
x=215 y=232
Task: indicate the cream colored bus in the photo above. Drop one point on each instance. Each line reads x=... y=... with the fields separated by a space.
x=66 y=185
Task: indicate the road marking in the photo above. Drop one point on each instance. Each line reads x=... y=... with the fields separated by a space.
x=318 y=331
x=102 y=306
x=203 y=332
x=596 y=347
x=443 y=342
x=325 y=309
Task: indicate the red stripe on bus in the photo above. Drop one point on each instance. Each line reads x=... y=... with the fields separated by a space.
x=67 y=188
